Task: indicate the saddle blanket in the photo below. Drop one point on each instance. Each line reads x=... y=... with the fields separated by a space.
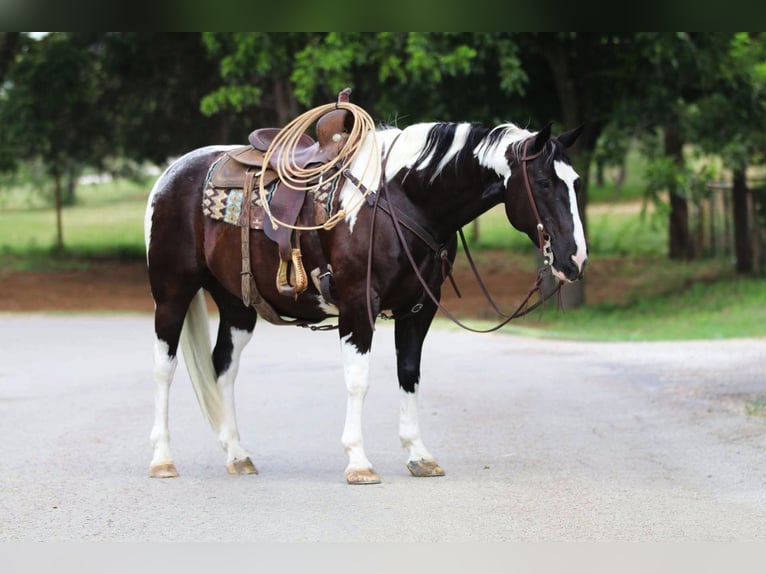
x=225 y=204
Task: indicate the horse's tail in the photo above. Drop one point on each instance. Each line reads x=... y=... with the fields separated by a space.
x=195 y=344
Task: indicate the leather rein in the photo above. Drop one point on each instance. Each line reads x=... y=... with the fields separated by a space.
x=401 y=220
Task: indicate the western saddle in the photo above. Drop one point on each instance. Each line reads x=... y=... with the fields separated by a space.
x=244 y=168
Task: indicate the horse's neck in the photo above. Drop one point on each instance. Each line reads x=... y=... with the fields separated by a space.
x=451 y=201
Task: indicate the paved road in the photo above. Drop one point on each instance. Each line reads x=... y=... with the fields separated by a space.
x=541 y=440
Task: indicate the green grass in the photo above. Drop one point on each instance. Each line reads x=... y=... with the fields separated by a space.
x=727 y=308
x=652 y=299
x=107 y=221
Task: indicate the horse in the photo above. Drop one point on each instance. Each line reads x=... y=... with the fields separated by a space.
x=430 y=179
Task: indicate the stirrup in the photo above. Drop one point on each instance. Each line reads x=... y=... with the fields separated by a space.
x=301 y=279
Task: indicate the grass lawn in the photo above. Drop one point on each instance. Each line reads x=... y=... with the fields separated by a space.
x=107 y=221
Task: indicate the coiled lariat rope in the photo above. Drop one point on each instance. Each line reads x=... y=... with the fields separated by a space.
x=285 y=144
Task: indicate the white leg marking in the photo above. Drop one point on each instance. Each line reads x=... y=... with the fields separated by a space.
x=164 y=369
x=356 y=367
x=228 y=434
x=568 y=175
x=409 y=428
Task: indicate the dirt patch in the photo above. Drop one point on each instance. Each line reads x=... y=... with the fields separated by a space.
x=111 y=286
x=103 y=286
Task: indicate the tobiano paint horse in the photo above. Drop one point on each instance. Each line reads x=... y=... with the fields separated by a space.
x=442 y=175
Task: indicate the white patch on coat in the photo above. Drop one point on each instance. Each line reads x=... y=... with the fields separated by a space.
x=568 y=175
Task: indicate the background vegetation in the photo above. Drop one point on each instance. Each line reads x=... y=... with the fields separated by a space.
x=671 y=156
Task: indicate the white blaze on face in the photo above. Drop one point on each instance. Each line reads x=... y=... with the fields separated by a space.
x=568 y=175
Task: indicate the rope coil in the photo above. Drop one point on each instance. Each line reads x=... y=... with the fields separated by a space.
x=284 y=145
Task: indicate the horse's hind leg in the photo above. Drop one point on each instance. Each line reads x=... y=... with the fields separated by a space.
x=409 y=334
x=168 y=321
x=234 y=332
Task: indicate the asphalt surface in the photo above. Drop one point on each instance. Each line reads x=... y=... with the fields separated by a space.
x=541 y=440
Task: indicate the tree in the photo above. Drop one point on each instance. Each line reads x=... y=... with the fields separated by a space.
x=731 y=121
x=151 y=85
x=8 y=45
x=397 y=77
x=47 y=111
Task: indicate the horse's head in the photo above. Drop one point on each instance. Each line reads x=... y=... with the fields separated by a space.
x=542 y=192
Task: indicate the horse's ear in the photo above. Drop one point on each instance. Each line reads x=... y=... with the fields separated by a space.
x=541 y=138
x=568 y=138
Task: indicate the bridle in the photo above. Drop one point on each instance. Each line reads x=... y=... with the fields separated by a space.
x=544 y=245
x=544 y=240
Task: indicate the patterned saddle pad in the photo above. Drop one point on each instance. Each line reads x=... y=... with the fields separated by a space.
x=225 y=203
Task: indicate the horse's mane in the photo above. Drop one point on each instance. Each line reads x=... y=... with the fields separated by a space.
x=428 y=148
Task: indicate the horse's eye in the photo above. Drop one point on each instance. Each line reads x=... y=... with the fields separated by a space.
x=544 y=184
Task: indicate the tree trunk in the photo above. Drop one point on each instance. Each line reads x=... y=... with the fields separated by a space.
x=57 y=192
x=284 y=102
x=68 y=192
x=600 y=172
x=9 y=42
x=573 y=114
x=743 y=245
x=680 y=244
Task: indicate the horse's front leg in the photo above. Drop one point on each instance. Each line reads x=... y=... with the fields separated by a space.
x=410 y=332
x=356 y=342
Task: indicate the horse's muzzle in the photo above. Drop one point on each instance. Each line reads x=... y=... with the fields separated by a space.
x=570 y=272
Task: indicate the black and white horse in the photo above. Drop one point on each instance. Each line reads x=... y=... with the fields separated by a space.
x=440 y=176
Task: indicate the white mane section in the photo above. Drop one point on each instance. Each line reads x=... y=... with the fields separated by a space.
x=410 y=144
x=458 y=143
x=490 y=152
x=366 y=167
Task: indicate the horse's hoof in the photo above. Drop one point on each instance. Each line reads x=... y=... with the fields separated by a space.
x=424 y=468
x=362 y=476
x=166 y=470
x=244 y=466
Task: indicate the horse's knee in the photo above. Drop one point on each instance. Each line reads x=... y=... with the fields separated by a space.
x=409 y=376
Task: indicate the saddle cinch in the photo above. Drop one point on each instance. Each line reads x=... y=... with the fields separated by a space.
x=232 y=195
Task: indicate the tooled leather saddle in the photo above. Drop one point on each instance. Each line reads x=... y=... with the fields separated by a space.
x=231 y=194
